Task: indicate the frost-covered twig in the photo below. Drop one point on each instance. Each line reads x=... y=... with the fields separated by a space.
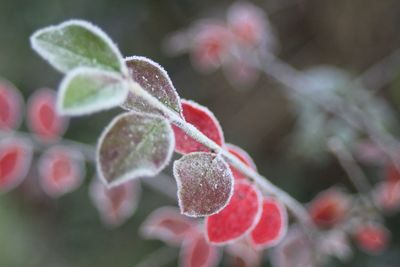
x=296 y=208
x=353 y=170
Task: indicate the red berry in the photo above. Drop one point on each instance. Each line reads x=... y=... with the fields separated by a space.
x=247 y=23
x=272 y=226
x=201 y=118
x=15 y=159
x=10 y=107
x=387 y=195
x=372 y=238
x=329 y=208
x=238 y=217
x=392 y=173
x=61 y=170
x=43 y=119
x=210 y=45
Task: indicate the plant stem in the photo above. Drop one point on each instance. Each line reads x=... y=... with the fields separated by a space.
x=296 y=83
x=293 y=205
x=353 y=170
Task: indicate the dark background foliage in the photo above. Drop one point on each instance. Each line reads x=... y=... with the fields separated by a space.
x=350 y=34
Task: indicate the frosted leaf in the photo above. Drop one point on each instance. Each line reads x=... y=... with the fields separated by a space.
x=168 y=225
x=61 y=170
x=11 y=104
x=43 y=119
x=86 y=90
x=197 y=252
x=243 y=156
x=204 y=120
x=272 y=226
x=77 y=43
x=15 y=160
x=115 y=205
x=133 y=145
x=205 y=183
x=155 y=80
x=238 y=218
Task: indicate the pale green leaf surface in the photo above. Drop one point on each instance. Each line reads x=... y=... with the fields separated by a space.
x=86 y=90
x=77 y=43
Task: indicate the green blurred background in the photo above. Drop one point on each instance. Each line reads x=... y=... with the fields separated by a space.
x=350 y=34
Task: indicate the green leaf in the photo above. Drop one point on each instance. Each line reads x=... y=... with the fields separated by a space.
x=77 y=43
x=205 y=183
x=86 y=90
x=155 y=80
x=132 y=146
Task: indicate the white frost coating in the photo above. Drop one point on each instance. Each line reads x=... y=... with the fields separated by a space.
x=23 y=164
x=116 y=100
x=252 y=226
x=224 y=171
x=283 y=229
x=48 y=96
x=298 y=210
x=164 y=72
x=141 y=172
x=151 y=228
x=52 y=59
x=61 y=187
x=209 y=114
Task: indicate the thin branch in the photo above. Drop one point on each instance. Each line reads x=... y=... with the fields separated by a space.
x=299 y=85
x=348 y=163
x=380 y=73
x=293 y=205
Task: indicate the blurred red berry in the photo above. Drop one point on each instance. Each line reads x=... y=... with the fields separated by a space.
x=211 y=43
x=11 y=105
x=387 y=195
x=15 y=160
x=329 y=208
x=392 y=173
x=371 y=238
x=43 y=119
x=61 y=170
x=248 y=23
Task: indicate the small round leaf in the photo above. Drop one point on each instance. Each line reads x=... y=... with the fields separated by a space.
x=205 y=183
x=134 y=145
